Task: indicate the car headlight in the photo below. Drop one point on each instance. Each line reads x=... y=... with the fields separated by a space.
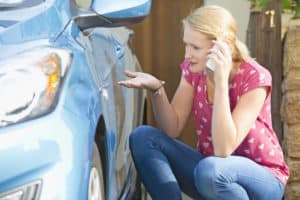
x=29 y=83
x=29 y=191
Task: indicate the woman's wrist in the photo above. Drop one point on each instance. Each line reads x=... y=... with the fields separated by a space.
x=156 y=91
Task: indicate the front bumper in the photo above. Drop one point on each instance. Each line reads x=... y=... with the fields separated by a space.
x=54 y=150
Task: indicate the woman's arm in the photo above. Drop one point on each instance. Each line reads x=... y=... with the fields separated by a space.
x=171 y=117
x=230 y=129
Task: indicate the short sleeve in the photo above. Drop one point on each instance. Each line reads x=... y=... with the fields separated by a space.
x=185 y=68
x=255 y=76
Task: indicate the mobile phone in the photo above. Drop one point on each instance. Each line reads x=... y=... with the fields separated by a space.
x=210 y=64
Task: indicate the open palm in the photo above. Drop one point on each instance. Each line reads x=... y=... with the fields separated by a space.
x=140 y=80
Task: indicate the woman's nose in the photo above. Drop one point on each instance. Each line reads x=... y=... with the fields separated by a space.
x=187 y=54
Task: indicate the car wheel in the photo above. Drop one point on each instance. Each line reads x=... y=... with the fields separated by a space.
x=140 y=192
x=96 y=184
x=144 y=193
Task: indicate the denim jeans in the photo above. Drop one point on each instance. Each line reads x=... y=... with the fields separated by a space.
x=168 y=167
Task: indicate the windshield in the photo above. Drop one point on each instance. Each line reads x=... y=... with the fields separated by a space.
x=17 y=4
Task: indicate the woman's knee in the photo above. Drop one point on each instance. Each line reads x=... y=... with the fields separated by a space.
x=139 y=134
x=140 y=138
x=206 y=175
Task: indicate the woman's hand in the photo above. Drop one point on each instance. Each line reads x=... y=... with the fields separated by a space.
x=221 y=56
x=140 y=80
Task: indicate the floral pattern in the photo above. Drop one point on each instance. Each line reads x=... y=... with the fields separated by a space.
x=261 y=144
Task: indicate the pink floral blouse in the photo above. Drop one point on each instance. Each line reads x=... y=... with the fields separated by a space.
x=261 y=144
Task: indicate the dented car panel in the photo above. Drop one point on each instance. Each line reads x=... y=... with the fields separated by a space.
x=59 y=98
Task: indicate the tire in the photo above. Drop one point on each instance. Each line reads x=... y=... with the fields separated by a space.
x=144 y=193
x=96 y=183
x=140 y=192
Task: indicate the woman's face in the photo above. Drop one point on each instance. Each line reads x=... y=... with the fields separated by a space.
x=197 y=45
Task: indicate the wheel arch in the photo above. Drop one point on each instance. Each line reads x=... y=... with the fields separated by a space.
x=100 y=140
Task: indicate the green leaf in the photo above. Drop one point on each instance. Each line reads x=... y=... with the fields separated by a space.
x=286 y=4
x=263 y=3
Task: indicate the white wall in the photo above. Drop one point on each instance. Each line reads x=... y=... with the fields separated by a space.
x=240 y=9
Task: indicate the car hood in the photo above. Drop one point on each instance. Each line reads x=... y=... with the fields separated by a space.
x=45 y=20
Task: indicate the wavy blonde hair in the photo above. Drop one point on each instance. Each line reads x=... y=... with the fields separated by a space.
x=218 y=23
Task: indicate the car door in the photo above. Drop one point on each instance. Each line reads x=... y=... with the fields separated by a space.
x=110 y=57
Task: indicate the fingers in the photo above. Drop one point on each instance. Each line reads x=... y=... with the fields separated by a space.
x=138 y=80
x=130 y=74
x=123 y=83
x=222 y=47
x=130 y=84
x=134 y=81
x=215 y=54
x=220 y=52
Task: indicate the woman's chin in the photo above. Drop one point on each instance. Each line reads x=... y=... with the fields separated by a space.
x=195 y=68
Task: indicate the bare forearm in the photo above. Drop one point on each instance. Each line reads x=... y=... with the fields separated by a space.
x=169 y=119
x=223 y=128
x=164 y=114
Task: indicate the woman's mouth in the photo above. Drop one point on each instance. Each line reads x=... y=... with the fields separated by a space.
x=195 y=67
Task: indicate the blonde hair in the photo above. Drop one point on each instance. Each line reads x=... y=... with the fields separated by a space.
x=217 y=23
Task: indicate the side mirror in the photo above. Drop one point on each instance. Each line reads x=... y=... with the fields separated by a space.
x=110 y=13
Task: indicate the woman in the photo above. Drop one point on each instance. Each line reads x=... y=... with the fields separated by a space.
x=238 y=155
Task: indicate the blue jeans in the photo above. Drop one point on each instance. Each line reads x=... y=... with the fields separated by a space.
x=167 y=167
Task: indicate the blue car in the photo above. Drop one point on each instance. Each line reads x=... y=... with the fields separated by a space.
x=64 y=121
